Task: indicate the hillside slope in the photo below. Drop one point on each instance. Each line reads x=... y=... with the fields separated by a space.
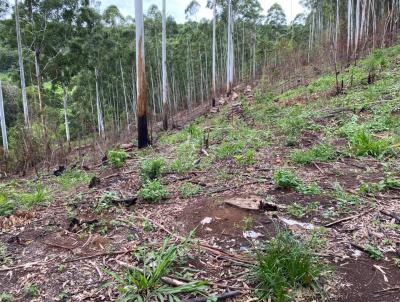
x=322 y=165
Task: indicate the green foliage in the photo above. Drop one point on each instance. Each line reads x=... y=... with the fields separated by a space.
x=71 y=178
x=301 y=211
x=387 y=184
x=374 y=252
x=5 y=258
x=31 y=290
x=191 y=133
x=294 y=122
x=153 y=191
x=239 y=141
x=363 y=144
x=117 y=158
x=189 y=190
x=6 y=297
x=246 y=159
x=145 y=284
x=247 y=223
x=397 y=261
x=284 y=266
x=186 y=158
x=151 y=169
x=286 y=179
x=105 y=202
x=6 y=206
x=319 y=153
x=311 y=189
x=37 y=197
x=375 y=62
x=344 y=199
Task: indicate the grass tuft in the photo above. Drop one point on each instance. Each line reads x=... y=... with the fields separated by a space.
x=319 y=153
x=284 y=266
x=145 y=284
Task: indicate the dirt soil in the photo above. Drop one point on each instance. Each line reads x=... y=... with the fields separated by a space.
x=67 y=256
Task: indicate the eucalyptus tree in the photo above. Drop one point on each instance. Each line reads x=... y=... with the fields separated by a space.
x=230 y=52
x=21 y=65
x=214 y=58
x=164 y=67
x=3 y=122
x=100 y=120
x=143 y=136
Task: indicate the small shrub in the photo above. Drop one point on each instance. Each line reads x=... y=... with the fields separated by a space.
x=285 y=179
x=153 y=191
x=105 y=202
x=319 y=153
x=374 y=252
x=117 y=158
x=188 y=190
x=284 y=266
x=246 y=159
x=312 y=189
x=300 y=211
x=375 y=62
x=151 y=169
x=344 y=199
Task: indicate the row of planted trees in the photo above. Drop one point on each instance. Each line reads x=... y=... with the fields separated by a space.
x=69 y=71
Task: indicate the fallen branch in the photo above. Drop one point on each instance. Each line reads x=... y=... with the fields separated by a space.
x=347 y=219
x=213 y=250
x=223 y=297
x=392 y=215
x=387 y=290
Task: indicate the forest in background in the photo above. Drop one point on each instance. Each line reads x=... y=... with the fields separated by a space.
x=80 y=72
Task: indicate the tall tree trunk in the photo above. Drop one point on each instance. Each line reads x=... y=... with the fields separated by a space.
x=349 y=26
x=230 y=58
x=337 y=27
x=3 y=122
x=66 y=114
x=125 y=95
x=357 y=32
x=100 y=123
x=164 y=67
x=21 y=66
x=143 y=135
x=214 y=58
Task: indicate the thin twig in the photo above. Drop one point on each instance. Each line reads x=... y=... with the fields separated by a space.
x=347 y=219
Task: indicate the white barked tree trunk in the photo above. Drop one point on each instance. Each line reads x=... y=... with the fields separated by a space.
x=3 y=122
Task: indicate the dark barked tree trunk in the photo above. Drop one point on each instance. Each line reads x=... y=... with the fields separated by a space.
x=143 y=136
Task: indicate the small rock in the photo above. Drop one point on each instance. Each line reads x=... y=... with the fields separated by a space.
x=252 y=235
x=206 y=220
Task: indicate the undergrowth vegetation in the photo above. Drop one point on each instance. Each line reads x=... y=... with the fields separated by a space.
x=146 y=283
x=73 y=177
x=285 y=266
x=117 y=159
x=16 y=197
